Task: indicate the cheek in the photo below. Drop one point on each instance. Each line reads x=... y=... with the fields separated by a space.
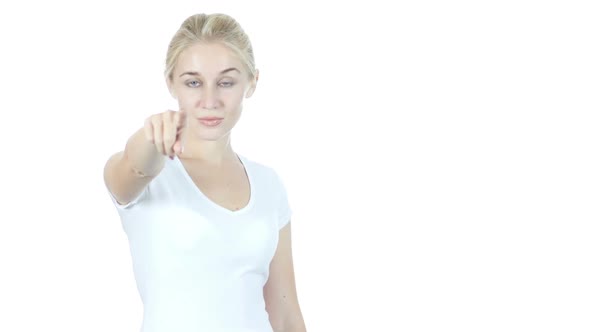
x=187 y=98
x=233 y=98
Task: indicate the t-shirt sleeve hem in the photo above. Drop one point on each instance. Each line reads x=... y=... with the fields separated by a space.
x=285 y=219
x=283 y=206
x=129 y=204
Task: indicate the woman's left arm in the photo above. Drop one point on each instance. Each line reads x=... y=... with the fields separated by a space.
x=280 y=293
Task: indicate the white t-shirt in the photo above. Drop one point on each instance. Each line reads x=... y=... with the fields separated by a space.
x=200 y=266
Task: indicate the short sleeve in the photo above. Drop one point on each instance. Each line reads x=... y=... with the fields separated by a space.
x=283 y=206
x=133 y=202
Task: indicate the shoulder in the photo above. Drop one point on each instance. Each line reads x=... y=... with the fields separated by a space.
x=262 y=171
x=258 y=167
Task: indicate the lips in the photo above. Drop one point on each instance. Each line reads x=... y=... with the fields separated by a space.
x=210 y=121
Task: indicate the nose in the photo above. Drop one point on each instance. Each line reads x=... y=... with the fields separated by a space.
x=209 y=99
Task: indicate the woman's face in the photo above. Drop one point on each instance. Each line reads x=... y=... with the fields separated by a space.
x=210 y=84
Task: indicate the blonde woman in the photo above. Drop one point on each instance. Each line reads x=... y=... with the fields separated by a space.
x=208 y=229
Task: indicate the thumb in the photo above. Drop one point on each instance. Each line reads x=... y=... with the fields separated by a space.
x=178 y=146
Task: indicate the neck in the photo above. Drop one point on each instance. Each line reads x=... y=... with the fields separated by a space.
x=209 y=152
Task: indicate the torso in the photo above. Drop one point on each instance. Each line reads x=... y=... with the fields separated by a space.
x=227 y=186
x=210 y=265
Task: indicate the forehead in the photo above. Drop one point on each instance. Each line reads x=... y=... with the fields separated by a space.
x=207 y=58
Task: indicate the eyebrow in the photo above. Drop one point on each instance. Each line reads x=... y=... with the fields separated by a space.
x=196 y=73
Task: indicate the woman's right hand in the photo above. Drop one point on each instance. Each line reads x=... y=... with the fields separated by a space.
x=164 y=131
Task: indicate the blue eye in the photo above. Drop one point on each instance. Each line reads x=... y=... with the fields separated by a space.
x=189 y=84
x=226 y=84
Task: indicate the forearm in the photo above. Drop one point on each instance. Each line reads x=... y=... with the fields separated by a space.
x=296 y=328
x=143 y=156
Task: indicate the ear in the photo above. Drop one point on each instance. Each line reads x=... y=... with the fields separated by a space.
x=170 y=87
x=252 y=87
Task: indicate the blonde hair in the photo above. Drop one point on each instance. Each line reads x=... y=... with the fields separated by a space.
x=218 y=27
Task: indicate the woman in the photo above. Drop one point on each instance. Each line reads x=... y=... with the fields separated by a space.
x=208 y=229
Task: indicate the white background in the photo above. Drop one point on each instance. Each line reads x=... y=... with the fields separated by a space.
x=435 y=155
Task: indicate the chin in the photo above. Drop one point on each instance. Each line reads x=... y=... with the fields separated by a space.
x=214 y=135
